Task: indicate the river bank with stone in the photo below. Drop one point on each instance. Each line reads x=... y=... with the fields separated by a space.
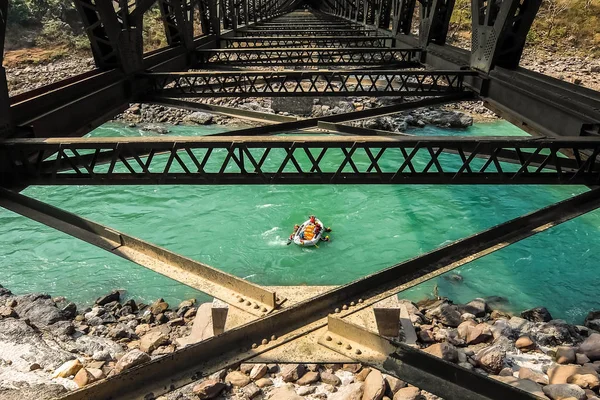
x=48 y=347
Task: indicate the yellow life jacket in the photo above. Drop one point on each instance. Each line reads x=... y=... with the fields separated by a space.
x=309 y=232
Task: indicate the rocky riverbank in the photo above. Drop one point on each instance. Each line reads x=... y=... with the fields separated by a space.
x=48 y=346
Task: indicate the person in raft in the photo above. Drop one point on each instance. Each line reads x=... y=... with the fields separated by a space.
x=296 y=227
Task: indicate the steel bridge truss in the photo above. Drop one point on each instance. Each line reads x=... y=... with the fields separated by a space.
x=399 y=58
x=311 y=83
x=302 y=160
x=40 y=146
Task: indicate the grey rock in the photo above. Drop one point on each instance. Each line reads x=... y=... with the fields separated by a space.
x=112 y=296
x=564 y=391
x=102 y=355
x=156 y=128
x=591 y=347
x=491 y=359
x=199 y=118
x=477 y=307
x=69 y=311
x=38 y=309
x=292 y=372
x=91 y=345
x=23 y=346
x=131 y=359
x=447 y=314
x=537 y=314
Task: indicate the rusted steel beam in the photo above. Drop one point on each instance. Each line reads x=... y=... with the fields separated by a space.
x=201 y=359
x=238 y=292
x=414 y=366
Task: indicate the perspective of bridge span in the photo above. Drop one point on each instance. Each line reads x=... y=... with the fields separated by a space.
x=300 y=48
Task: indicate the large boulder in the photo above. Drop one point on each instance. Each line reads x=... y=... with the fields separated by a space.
x=258 y=371
x=308 y=378
x=523 y=384
x=132 y=359
x=408 y=393
x=491 y=359
x=208 y=389
x=565 y=355
x=330 y=379
x=287 y=393
x=353 y=391
x=537 y=314
x=292 y=372
x=585 y=381
x=477 y=307
x=374 y=388
x=39 y=309
x=237 y=378
x=537 y=377
x=555 y=333
x=24 y=346
x=68 y=369
x=591 y=347
x=445 y=351
x=447 y=314
x=564 y=391
x=199 y=118
x=115 y=295
x=478 y=334
x=90 y=345
x=525 y=344
x=153 y=340
x=561 y=373
x=592 y=320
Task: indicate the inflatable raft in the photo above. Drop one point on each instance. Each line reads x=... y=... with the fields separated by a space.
x=305 y=235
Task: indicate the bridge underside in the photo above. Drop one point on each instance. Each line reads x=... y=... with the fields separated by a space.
x=336 y=48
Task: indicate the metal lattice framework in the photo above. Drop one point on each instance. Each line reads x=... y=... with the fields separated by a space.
x=286 y=83
x=306 y=42
x=403 y=58
x=303 y=160
x=41 y=144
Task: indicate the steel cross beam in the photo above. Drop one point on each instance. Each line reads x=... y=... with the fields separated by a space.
x=306 y=83
x=308 y=42
x=238 y=292
x=240 y=344
x=401 y=58
x=299 y=160
x=316 y=33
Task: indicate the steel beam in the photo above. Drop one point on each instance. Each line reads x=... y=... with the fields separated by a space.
x=499 y=31
x=414 y=366
x=306 y=83
x=306 y=42
x=401 y=58
x=236 y=291
x=300 y=160
x=234 y=346
x=221 y=110
x=6 y=126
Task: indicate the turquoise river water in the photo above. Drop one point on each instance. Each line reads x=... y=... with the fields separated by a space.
x=243 y=230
